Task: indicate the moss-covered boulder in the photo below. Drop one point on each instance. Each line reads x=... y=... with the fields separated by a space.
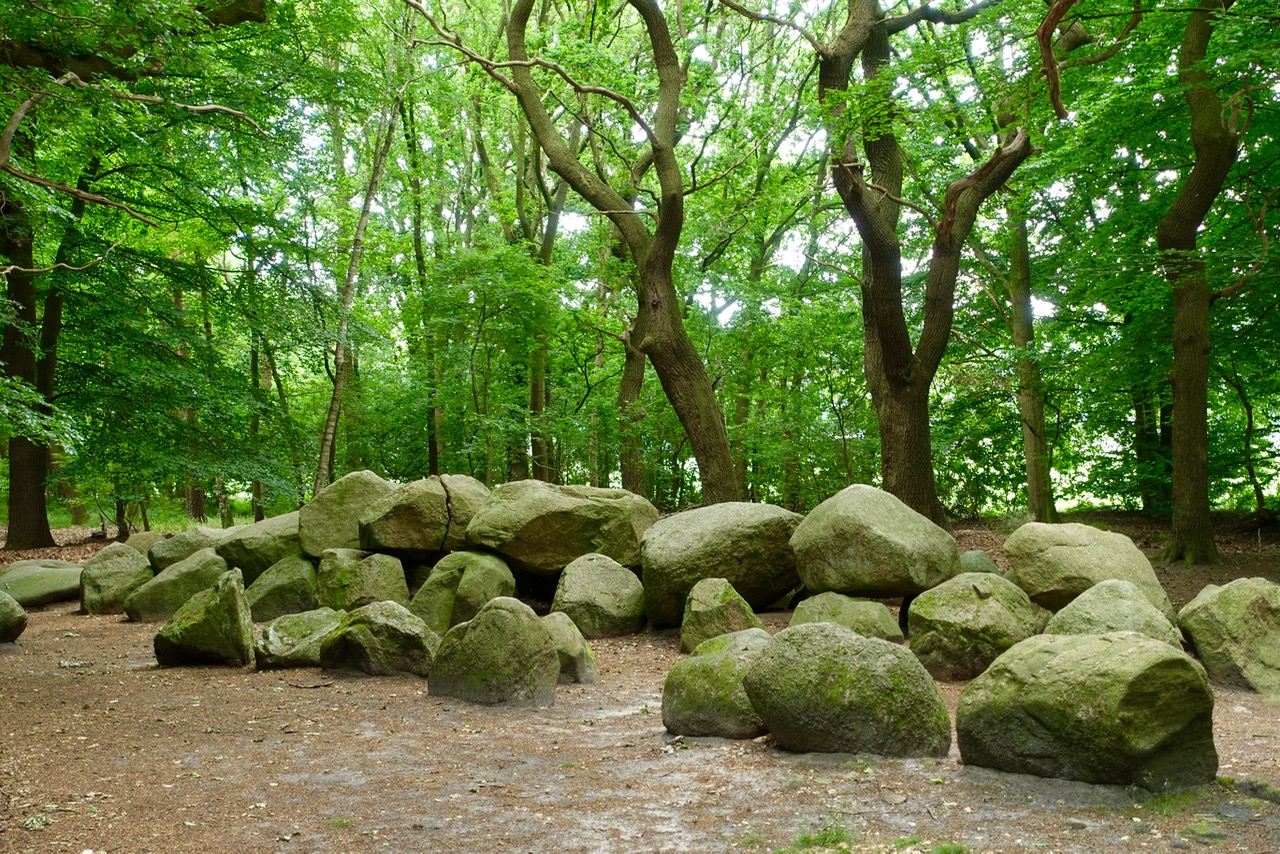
x=713 y=607
x=1235 y=630
x=869 y=619
x=1056 y=563
x=863 y=541
x=577 y=659
x=165 y=553
x=1113 y=606
x=601 y=596
x=747 y=640
x=1119 y=708
x=39 y=582
x=161 y=597
x=411 y=521
x=962 y=625
x=256 y=548
x=212 y=627
x=13 y=619
x=142 y=541
x=466 y=496
x=822 y=688
x=293 y=640
x=332 y=519
x=459 y=586
x=110 y=576
x=540 y=528
x=380 y=638
x=348 y=579
x=703 y=694
x=287 y=587
x=747 y=544
x=505 y=655
x=976 y=560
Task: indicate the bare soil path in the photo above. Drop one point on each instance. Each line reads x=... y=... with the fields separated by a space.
x=102 y=750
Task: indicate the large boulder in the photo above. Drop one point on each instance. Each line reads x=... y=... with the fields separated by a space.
x=466 y=496
x=1119 y=708
x=820 y=687
x=13 y=619
x=713 y=607
x=293 y=640
x=411 y=521
x=165 y=553
x=863 y=541
x=962 y=625
x=867 y=618
x=256 y=548
x=703 y=694
x=1113 y=606
x=348 y=579
x=976 y=560
x=540 y=528
x=601 y=596
x=110 y=576
x=212 y=627
x=161 y=597
x=380 y=638
x=332 y=519
x=1056 y=563
x=505 y=655
x=39 y=582
x=577 y=659
x=287 y=587
x=142 y=541
x=748 y=544
x=458 y=587
x=1235 y=630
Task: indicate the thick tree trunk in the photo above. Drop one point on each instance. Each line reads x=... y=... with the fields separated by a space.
x=28 y=461
x=1217 y=145
x=906 y=455
x=1035 y=446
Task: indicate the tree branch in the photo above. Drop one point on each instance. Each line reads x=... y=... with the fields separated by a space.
x=934 y=15
x=1049 y=63
x=763 y=17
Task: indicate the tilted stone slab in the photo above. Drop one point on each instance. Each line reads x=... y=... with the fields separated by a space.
x=255 y=548
x=161 y=597
x=331 y=520
x=1235 y=630
x=110 y=576
x=466 y=496
x=959 y=627
x=165 y=553
x=504 y=656
x=822 y=688
x=39 y=582
x=348 y=578
x=1118 y=708
x=1056 y=563
x=459 y=586
x=863 y=541
x=747 y=544
x=212 y=627
x=288 y=587
x=541 y=528
x=601 y=596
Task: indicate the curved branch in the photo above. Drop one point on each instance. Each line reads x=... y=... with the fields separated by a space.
x=934 y=15
x=1044 y=36
x=763 y=17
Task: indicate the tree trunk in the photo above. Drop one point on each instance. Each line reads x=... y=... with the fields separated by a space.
x=382 y=146
x=28 y=461
x=1035 y=446
x=1217 y=146
x=630 y=417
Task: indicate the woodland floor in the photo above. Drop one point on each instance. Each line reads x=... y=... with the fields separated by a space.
x=102 y=750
